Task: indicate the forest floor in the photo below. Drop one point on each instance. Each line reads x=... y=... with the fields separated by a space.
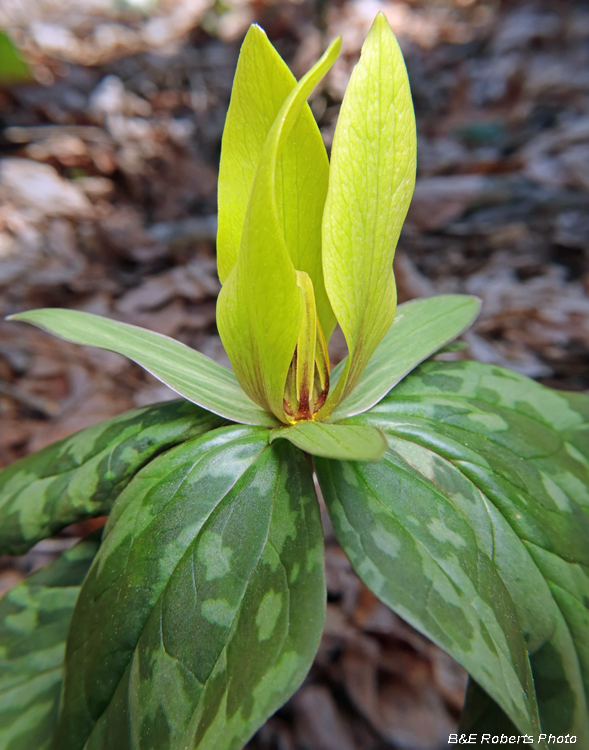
x=108 y=169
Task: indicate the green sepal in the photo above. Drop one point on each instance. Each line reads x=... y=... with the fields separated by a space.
x=346 y=442
x=371 y=182
x=204 y=608
x=490 y=472
x=186 y=371
x=80 y=476
x=34 y=621
x=259 y=309
x=262 y=83
x=420 y=328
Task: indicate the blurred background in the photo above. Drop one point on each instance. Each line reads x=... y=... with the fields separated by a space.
x=111 y=114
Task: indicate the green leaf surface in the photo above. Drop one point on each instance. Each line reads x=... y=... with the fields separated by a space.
x=260 y=307
x=552 y=664
x=371 y=182
x=345 y=442
x=80 y=476
x=487 y=472
x=186 y=371
x=13 y=69
x=420 y=328
x=417 y=557
x=34 y=621
x=262 y=83
x=204 y=608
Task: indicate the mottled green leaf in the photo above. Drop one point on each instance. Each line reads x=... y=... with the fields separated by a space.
x=260 y=307
x=371 y=182
x=423 y=560
x=186 y=371
x=346 y=442
x=420 y=328
x=555 y=666
x=34 y=620
x=80 y=476
x=262 y=83
x=490 y=471
x=204 y=608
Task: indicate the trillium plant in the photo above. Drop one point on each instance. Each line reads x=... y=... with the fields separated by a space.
x=458 y=490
